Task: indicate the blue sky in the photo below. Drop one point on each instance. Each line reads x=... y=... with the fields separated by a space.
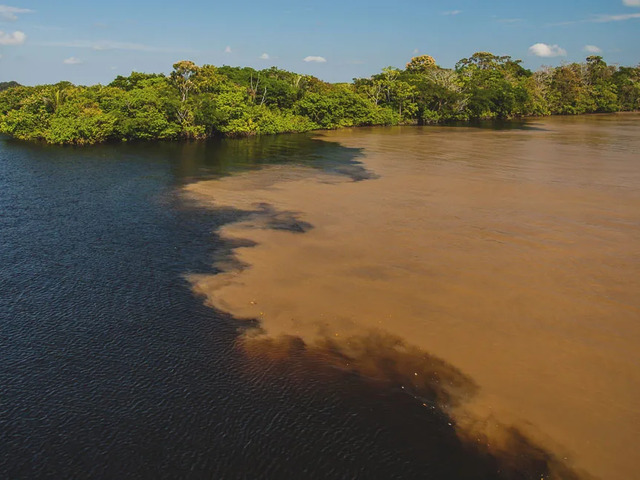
x=92 y=41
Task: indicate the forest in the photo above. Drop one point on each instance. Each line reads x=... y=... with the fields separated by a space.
x=199 y=102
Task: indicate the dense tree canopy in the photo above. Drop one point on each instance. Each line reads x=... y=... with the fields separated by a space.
x=204 y=101
x=6 y=85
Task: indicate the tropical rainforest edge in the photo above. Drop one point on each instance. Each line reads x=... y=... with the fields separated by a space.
x=199 y=102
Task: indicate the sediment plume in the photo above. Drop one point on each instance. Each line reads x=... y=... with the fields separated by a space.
x=493 y=274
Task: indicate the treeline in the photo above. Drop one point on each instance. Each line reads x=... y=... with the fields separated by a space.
x=6 y=85
x=201 y=102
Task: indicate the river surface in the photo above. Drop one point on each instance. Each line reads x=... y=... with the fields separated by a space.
x=442 y=302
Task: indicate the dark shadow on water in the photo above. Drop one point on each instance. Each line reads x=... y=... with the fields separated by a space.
x=498 y=124
x=418 y=391
x=274 y=219
x=201 y=160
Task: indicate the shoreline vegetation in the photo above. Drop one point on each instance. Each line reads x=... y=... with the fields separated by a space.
x=194 y=102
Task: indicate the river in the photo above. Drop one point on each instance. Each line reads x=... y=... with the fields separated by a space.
x=448 y=302
x=511 y=254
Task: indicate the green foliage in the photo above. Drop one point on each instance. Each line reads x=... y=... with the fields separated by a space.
x=80 y=123
x=196 y=102
x=340 y=106
x=133 y=81
x=568 y=94
x=7 y=85
x=271 y=121
x=12 y=98
x=421 y=64
x=627 y=81
x=27 y=115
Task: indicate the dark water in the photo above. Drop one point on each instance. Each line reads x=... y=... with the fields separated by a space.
x=111 y=368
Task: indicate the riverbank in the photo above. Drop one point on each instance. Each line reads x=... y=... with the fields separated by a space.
x=199 y=102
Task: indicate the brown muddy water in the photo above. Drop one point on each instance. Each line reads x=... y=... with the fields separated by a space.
x=512 y=256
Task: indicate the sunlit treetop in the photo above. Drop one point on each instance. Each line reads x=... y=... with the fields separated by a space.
x=421 y=64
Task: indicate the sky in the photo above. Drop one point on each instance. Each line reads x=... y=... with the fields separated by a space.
x=93 y=41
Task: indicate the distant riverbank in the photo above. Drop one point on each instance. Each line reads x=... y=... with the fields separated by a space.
x=199 y=102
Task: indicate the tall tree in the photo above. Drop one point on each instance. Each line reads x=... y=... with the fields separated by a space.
x=183 y=77
x=421 y=64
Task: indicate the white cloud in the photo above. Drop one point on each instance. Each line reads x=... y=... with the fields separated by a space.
x=72 y=61
x=10 y=13
x=15 y=38
x=592 y=49
x=604 y=18
x=265 y=56
x=547 y=51
x=631 y=3
x=452 y=12
x=227 y=49
x=615 y=18
x=313 y=58
x=109 y=45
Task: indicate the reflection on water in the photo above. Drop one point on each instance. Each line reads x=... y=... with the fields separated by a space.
x=227 y=156
x=512 y=255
